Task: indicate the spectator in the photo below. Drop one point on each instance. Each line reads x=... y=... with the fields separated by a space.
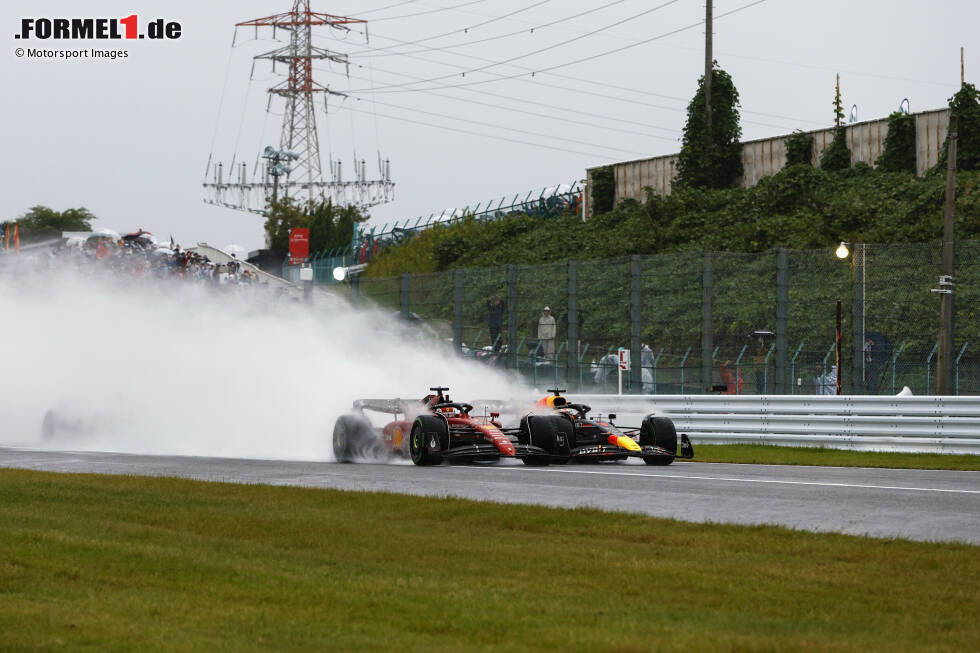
x=760 y=368
x=495 y=313
x=546 y=332
x=731 y=386
x=825 y=384
x=646 y=364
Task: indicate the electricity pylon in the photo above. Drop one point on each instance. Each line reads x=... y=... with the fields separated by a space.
x=294 y=170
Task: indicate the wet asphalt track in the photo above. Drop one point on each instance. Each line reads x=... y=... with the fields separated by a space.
x=913 y=504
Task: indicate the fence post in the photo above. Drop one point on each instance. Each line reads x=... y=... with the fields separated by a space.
x=458 y=312
x=707 y=337
x=898 y=353
x=782 y=312
x=512 y=314
x=962 y=351
x=573 y=334
x=929 y=366
x=406 y=286
x=636 y=325
x=857 y=374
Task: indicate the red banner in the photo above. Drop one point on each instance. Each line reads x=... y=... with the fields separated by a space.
x=299 y=246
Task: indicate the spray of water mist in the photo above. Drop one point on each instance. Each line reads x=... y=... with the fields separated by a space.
x=177 y=368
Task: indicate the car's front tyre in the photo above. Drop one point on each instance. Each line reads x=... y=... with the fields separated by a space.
x=659 y=432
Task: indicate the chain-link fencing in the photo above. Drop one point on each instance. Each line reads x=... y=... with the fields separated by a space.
x=765 y=323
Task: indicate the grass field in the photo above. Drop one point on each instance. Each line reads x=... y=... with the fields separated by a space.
x=774 y=455
x=110 y=563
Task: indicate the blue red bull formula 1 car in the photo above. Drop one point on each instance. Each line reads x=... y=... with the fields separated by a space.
x=556 y=431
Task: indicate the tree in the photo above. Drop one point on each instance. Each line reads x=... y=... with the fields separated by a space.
x=899 y=154
x=330 y=226
x=837 y=156
x=41 y=223
x=712 y=160
x=281 y=216
x=965 y=105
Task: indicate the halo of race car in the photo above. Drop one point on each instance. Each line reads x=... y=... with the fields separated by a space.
x=556 y=431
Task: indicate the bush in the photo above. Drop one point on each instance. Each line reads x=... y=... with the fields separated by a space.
x=899 y=154
x=799 y=149
x=603 y=189
x=837 y=156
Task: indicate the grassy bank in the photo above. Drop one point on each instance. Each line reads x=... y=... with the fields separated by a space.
x=773 y=455
x=123 y=563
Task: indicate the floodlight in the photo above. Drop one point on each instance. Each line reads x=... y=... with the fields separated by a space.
x=842 y=251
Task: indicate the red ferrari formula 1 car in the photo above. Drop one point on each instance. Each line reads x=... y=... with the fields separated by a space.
x=655 y=440
x=428 y=432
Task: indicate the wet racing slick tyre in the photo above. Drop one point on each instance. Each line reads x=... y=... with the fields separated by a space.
x=553 y=433
x=659 y=432
x=430 y=436
x=352 y=436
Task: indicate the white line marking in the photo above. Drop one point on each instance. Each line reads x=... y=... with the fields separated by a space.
x=742 y=480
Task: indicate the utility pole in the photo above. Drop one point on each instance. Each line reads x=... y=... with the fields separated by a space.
x=962 y=68
x=944 y=371
x=708 y=65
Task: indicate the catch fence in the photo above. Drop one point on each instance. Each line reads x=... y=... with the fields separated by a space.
x=702 y=322
x=368 y=241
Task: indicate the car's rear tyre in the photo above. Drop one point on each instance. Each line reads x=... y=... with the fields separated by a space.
x=352 y=437
x=429 y=437
x=659 y=432
x=553 y=433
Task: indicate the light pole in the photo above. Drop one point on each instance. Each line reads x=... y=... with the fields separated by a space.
x=859 y=261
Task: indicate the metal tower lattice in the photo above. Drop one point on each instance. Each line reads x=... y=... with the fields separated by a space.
x=295 y=169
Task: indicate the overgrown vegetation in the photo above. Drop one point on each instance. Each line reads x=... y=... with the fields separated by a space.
x=113 y=563
x=799 y=148
x=837 y=156
x=603 y=185
x=965 y=105
x=40 y=223
x=801 y=207
x=899 y=151
x=712 y=159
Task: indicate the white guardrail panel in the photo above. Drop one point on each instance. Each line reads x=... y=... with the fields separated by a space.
x=878 y=423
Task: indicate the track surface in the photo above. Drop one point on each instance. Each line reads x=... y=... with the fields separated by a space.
x=913 y=504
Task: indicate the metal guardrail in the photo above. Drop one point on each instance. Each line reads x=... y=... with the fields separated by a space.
x=866 y=423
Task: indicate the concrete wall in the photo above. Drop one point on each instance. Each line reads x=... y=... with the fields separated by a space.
x=765 y=157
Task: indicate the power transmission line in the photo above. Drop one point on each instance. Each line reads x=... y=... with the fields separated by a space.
x=385 y=51
x=546 y=49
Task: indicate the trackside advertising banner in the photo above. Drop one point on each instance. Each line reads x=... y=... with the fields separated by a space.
x=299 y=245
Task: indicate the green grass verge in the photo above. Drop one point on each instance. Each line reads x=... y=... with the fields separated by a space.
x=774 y=455
x=129 y=563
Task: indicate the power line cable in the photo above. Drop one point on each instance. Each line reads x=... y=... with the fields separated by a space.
x=386 y=51
x=391 y=6
x=497 y=97
x=430 y=11
x=512 y=129
x=491 y=136
x=552 y=47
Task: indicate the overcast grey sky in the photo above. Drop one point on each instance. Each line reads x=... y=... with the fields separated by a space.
x=129 y=139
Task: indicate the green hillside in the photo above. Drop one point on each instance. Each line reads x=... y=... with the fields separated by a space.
x=800 y=208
